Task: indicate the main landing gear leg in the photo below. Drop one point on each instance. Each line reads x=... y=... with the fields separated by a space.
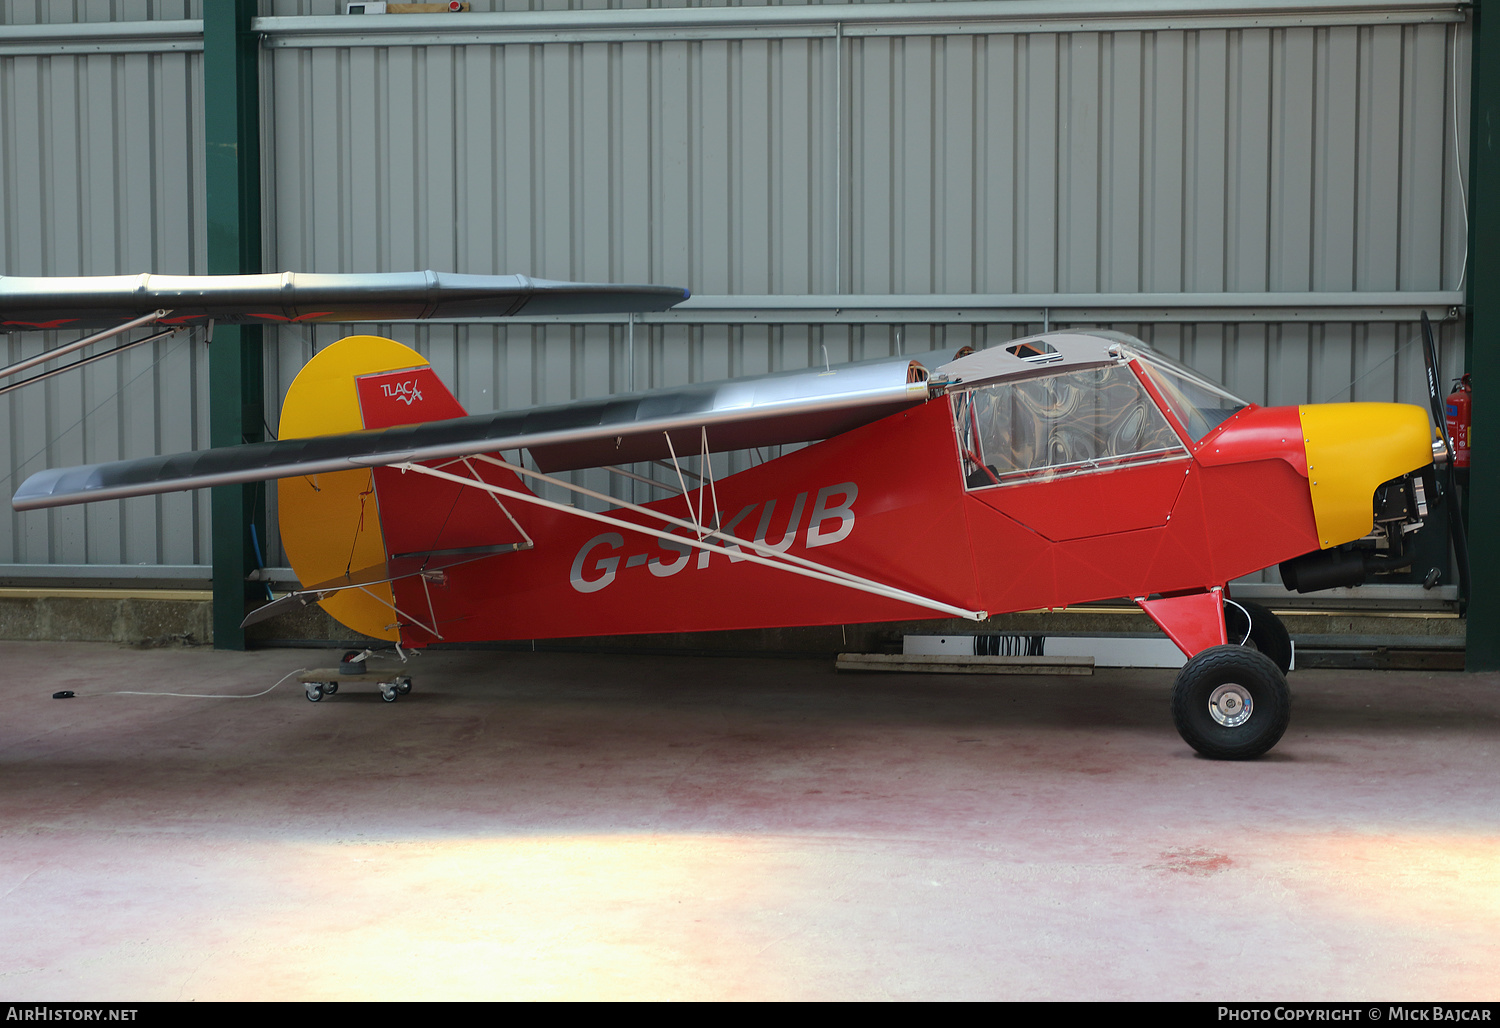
x=1230 y=702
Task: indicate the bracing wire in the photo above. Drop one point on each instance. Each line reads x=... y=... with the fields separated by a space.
x=1458 y=168
x=95 y=409
x=1371 y=370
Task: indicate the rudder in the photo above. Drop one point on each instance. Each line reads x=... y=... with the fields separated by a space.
x=334 y=524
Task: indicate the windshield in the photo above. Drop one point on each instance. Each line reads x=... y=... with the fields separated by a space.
x=1198 y=404
x=1073 y=421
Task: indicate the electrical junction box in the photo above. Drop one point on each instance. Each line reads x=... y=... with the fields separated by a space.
x=935 y=645
x=1115 y=652
x=1142 y=651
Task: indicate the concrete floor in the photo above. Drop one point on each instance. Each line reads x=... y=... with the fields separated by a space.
x=540 y=826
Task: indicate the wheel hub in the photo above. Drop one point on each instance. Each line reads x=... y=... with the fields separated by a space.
x=1230 y=705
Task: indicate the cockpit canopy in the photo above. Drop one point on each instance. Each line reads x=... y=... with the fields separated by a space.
x=1075 y=402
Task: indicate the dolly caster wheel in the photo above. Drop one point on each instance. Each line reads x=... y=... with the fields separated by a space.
x=329 y=688
x=404 y=686
x=314 y=692
x=388 y=693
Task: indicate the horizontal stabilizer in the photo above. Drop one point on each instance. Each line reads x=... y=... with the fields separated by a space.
x=769 y=410
x=402 y=565
x=103 y=301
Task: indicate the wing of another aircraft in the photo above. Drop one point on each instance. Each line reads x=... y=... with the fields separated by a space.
x=768 y=410
x=103 y=301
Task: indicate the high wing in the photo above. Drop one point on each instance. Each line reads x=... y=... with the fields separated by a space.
x=103 y=301
x=768 y=410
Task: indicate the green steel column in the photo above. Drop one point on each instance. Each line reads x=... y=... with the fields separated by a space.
x=232 y=140
x=1482 y=351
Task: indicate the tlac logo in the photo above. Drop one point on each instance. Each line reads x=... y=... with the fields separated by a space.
x=407 y=392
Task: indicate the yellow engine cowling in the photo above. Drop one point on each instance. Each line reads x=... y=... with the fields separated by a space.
x=1351 y=449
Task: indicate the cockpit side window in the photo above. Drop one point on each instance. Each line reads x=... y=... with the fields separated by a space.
x=1073 y=422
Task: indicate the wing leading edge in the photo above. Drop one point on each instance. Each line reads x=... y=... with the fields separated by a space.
x=104 y=301
x=769 y=410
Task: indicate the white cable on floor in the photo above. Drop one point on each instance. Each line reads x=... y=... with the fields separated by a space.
x=199 y=695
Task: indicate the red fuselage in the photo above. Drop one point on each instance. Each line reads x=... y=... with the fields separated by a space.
x=887 y=501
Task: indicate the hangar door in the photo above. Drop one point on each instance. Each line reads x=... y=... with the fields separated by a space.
x=1270 y=197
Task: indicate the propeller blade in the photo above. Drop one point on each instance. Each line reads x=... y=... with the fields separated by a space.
x=1450 y=478
x=1434 y=391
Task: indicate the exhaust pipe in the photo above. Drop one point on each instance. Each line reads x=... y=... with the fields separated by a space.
x=1324 y=569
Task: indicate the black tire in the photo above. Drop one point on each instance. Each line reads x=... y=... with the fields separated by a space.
x=349 y=666
x=1267 y=633
x=315 y=693
x=329 y=688
x=1221 y=679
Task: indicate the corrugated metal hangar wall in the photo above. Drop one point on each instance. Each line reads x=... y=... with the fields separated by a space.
x=1270 y=194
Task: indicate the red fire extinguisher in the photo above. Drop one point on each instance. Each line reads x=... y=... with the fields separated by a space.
x=1459 y=415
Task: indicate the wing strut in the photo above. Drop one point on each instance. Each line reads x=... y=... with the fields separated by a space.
x=79 y=344
x=663 y=486
x=697 y=517
x=509 y=516
x=756 y=553
x=401 y=613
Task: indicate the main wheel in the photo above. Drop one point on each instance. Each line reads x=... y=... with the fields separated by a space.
x=1231 y=703
x=1266 y=633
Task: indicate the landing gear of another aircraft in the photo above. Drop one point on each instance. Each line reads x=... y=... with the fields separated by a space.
x=1265 y=632
x=1231 y=703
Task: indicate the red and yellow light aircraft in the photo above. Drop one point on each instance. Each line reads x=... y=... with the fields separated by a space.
x=1059 y=469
